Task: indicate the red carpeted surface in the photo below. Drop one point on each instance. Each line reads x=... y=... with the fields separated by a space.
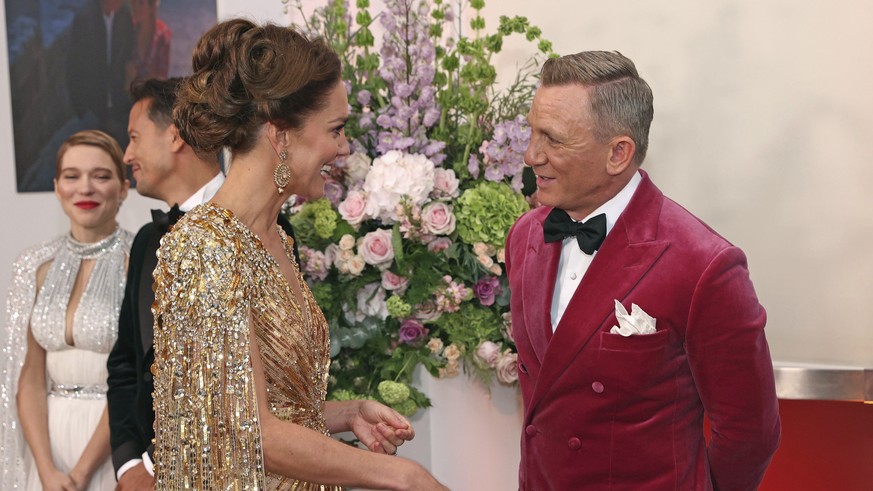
x=826 y=446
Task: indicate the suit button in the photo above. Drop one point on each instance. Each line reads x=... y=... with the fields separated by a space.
x=531 y=430
x=574 y=443
x=597 y=387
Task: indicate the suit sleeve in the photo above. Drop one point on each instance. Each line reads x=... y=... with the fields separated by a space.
x=124 y=434
x=731 y=365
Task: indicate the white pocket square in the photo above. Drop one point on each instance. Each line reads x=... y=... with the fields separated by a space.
x=637 y=322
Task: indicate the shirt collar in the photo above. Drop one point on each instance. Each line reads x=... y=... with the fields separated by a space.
x=615 y=206
x=203 y=194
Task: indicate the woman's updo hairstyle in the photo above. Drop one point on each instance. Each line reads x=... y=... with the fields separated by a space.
x=246 y=75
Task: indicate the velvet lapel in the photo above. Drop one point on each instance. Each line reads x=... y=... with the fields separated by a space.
x=627 y=254
x=540 y=271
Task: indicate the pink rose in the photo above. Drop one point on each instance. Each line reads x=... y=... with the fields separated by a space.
x=393 y=282
x=452 y=369
x=352 y=209
x=507 y=367
x=435 y=345
x=485 y=261
x=355 y=265
x=347 y=242
x=486 y=289
x=452 y=352
x=487 y=353
x=445 y=184
x=376 y=248
x=439 y=244
x=427 y=311
x=437 y=218
x=411 y=332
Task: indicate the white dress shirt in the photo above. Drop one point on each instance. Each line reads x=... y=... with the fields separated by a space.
x=574 y=263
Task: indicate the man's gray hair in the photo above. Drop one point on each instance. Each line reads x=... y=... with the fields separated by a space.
x=621 y=101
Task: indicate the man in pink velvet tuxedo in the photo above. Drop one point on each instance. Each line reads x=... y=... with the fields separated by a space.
x=615 y=400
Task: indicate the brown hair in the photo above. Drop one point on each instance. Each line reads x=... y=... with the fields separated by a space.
x=621 y=101
x=93 y=138
x=246 y=75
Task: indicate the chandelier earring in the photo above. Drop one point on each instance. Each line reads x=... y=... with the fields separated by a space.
x=282 y=174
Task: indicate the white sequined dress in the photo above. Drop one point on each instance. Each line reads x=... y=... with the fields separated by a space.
x=76 y=375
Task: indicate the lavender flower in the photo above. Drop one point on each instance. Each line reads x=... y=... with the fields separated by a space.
x=503 y=155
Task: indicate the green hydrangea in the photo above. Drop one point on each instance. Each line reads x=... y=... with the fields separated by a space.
x=487 y=211
x=397 y=308
x=325 y=223
x=407 y=407
x=393 y=392
x=470 y=325
x=315 y=220
x=345 y=395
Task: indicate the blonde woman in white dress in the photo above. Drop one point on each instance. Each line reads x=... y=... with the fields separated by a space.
x=61 y=322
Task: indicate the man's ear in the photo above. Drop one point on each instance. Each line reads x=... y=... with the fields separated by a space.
x=176 y=141
x=621 y=155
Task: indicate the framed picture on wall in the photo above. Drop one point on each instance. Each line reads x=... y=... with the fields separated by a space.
x=72 y=61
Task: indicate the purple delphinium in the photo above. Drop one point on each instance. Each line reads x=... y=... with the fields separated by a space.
x=408 y=68
x=503 y=155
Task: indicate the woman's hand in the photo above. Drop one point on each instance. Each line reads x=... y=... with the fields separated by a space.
x=55 y=480
x=379 y=427
x=80 y=478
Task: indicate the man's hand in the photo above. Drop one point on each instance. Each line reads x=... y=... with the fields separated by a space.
x=137 y=478
x=380 y=428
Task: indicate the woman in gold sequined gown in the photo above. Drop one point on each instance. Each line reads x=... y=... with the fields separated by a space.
x=241 y=348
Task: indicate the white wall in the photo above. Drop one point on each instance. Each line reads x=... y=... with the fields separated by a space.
x=762 y=117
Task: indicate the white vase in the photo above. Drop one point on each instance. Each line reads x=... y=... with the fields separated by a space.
x=470 y=438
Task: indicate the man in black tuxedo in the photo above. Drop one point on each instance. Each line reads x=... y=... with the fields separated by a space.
x=165 y=168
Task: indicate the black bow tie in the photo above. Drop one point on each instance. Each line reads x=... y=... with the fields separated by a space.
x=589 y=235
x=163 y=220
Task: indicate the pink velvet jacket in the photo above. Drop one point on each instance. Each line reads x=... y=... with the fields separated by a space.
x=603 y=411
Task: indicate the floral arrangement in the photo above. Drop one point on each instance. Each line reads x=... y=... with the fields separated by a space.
x=405 y=252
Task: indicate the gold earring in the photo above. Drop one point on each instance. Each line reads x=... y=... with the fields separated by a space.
x=282 y=174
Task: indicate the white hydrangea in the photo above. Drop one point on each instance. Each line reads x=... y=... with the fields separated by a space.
x=393 y=176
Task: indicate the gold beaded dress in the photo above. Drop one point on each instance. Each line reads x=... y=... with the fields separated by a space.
x=214 y=282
